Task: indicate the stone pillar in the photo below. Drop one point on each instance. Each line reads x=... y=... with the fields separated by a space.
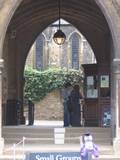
x=115 y=101
x=1 y=139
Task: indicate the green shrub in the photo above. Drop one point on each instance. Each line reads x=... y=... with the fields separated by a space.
x=39 y=83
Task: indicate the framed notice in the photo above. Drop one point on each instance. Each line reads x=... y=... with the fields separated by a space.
x=104 y=81
x=90 y=80
x=92 y=93
x=106 y=117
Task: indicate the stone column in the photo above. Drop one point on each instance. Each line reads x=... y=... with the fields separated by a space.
x=115 y=102
x=1 y=139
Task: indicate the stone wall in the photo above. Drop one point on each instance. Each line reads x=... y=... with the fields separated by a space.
x=50 y=108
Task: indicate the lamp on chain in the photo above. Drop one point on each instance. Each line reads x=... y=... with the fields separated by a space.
x=59 y=37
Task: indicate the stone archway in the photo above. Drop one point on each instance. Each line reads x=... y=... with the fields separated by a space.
x=8 y=11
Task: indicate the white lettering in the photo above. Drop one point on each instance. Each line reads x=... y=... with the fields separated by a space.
x=60 y=157
x=38 y=157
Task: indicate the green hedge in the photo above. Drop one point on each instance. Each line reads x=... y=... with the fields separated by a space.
x=38 y=84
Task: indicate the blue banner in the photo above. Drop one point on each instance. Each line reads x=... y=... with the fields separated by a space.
x=53 y=156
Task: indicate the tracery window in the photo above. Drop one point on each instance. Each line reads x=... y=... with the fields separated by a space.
x=75 y=45
x=40 y=43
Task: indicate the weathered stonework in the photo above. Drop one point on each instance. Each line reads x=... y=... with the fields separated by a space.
x=98 y=20
x=116 y=4
x=50 y=108
x=70 y=55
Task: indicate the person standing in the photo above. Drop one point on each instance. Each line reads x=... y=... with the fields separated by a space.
x=89 y=149
x=30 y=112
x=66 y=94
x=75 y=98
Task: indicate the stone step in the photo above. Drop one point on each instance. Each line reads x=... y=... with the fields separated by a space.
x=51 y=134
x=26 y=129
x=88 y=129
x=38 y=131
x=74 y=129
x=42 y=139
x=30 y=140
x=47 y=135
x=40 y=135
x=51 y=141
x=19 y=153
x=44 y=135
x=103 y=149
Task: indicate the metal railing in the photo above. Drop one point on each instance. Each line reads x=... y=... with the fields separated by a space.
x=14 y=147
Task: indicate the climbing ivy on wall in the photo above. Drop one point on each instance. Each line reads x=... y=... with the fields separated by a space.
x=39 y=83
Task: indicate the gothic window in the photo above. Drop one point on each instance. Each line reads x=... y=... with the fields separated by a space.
x=39 y=52
x=75 y=40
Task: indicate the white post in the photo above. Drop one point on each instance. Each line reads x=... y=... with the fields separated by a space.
x=81 y=141
x=59 y=135
x=23 y=145
x=14 y=150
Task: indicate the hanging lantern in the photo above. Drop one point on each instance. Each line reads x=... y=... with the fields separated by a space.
x=59 y=37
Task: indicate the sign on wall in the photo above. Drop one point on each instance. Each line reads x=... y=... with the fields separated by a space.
x=106 y=116
x=104 y=81
x=53 y=156
x=92 y=91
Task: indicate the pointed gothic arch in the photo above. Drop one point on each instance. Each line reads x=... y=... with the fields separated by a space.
x=106 y=21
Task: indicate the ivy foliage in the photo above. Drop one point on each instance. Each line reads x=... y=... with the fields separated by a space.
x=39 y=83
